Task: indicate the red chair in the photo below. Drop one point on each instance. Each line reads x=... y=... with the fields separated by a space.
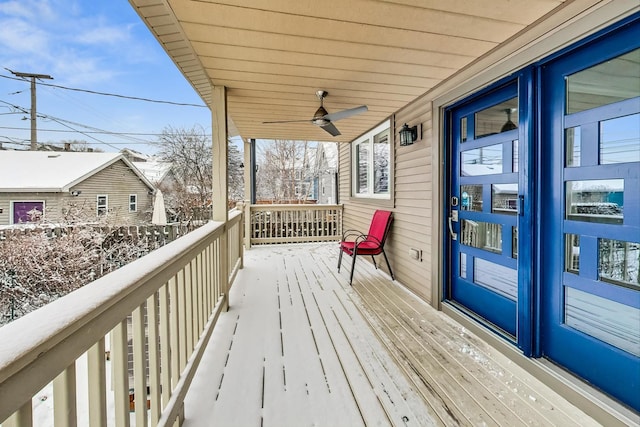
x=371 y=243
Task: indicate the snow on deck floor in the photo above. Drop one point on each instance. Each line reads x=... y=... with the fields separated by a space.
x=294 y=350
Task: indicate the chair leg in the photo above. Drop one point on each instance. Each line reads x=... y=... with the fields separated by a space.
x=353 y=266
x=340 y=259
x=374 y=262
x=388 y=265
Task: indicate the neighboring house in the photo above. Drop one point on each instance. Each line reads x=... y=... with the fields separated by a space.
x=36 y=185
x=160 y=174
x=327 y=173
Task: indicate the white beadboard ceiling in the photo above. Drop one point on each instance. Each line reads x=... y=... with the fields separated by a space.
x=273 y=55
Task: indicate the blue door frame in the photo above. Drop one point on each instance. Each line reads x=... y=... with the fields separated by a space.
x=539 y=329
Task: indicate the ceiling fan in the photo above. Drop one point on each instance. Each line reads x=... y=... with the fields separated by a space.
x=325 y=120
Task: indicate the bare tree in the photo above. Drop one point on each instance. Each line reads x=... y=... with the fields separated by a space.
x=283 y=171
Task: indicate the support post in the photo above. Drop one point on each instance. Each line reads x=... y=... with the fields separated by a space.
x=220 y=180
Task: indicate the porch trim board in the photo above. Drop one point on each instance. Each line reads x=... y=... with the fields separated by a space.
x=48 y=342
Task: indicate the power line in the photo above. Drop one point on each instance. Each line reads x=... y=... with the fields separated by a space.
x=135 y=98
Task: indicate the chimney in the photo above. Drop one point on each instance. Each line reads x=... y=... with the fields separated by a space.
x=67 y=146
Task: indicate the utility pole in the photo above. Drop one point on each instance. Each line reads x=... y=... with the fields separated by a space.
x=33 y=77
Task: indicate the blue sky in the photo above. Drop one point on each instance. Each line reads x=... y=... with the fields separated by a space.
x=94 y=45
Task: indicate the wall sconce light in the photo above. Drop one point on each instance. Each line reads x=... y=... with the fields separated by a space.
x=76 y=193
x=409 y=135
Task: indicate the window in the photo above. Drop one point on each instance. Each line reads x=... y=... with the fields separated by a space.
x=133 y=202
x=371 y=164
x=102 y=204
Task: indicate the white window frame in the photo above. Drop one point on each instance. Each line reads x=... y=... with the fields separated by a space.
x=99 y=210
x=369 y=138
x=134 y=203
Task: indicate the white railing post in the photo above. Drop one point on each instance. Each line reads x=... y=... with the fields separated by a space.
x=120 y=373
x=248 y=225
x=153 y=334
x=139 y=366
x=23 y=417
x=97 y=385
x=64 y=398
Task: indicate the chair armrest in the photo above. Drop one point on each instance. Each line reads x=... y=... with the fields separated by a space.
x=367 y=238
x=349 y=233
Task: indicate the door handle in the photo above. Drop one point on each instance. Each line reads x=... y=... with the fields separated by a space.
x=454 y=236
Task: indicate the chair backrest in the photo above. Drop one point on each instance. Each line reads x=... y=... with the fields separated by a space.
x=380 y=225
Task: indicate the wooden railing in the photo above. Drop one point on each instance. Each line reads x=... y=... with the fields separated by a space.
x=292 y=223
x=182 y=287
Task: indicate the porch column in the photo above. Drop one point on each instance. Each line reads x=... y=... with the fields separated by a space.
x=249 y=185
x=221 y=181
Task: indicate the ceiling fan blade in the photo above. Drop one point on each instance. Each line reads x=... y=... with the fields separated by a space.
x=287 y=121
x=329 y=127
x=346 y=113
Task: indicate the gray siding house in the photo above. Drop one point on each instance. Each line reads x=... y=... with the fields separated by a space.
x=48 y=186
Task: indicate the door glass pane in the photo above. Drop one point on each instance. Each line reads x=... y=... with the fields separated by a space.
x=471 y=198
x=611 y=81
x=573 y=141
x=604 y=319
x=482 y=235
x=516 y=156
x=595 y=200
x=514 y=242
x=500 y=279
x=620 y=140
x=463 y=129
x=481 y=161
x=572 y=253
x=618 y=262
x=463 y=265
x=497 y=119
x=504 y=198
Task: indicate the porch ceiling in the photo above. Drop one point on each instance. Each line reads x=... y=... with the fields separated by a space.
x=273 y=55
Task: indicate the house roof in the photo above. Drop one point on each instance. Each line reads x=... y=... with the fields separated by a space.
x=273 y=56
x=155 y=171
x=28 y=171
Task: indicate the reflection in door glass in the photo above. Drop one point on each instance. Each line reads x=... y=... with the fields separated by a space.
x=463 y=129
x=604 y=319
x=572 y=253
x=463 y=265
x=504 y=198
x=497 y=119
x=620 y=140
x=573 y=142
x=482 y=235
x=618 y=262
x=471 y=198
x=498 y=278
x=516 y=156
x=612 y=81
x=595 y=200
x=514 y=242
x=482 y=161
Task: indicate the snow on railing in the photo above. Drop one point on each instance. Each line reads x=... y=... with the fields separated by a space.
x=182 y=287
x=293 y=223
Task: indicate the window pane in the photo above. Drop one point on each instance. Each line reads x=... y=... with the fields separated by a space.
x=611 y=81
x=471 y=198
x=620 y=140
x=572 y=253
x=595 y=200
x=482 y=235
x=573 y=141
x=482 y=161
x=618 y=262
x=499 y=118
x=381 y=163
x=606 y=320
x=362 y=160
x=504 y=198
x=498 y=278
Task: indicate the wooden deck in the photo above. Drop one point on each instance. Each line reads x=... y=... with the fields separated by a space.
x=299 y=347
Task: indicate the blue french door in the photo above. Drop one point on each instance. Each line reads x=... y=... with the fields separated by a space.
x=590 y=213
x=486 y=205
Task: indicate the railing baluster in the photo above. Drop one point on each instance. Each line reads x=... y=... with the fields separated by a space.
x=185 y=325
x=120 y=373
x=64 y=398
x=97 y=385
x=23 y=417
x=175 y=329
x=165 y=364
x=154 y=357
x=139 y=366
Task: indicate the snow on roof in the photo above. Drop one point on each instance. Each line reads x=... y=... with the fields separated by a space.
x=26 y=171
x=153 y=170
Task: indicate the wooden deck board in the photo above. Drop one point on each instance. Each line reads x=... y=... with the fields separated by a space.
x=301 y=347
